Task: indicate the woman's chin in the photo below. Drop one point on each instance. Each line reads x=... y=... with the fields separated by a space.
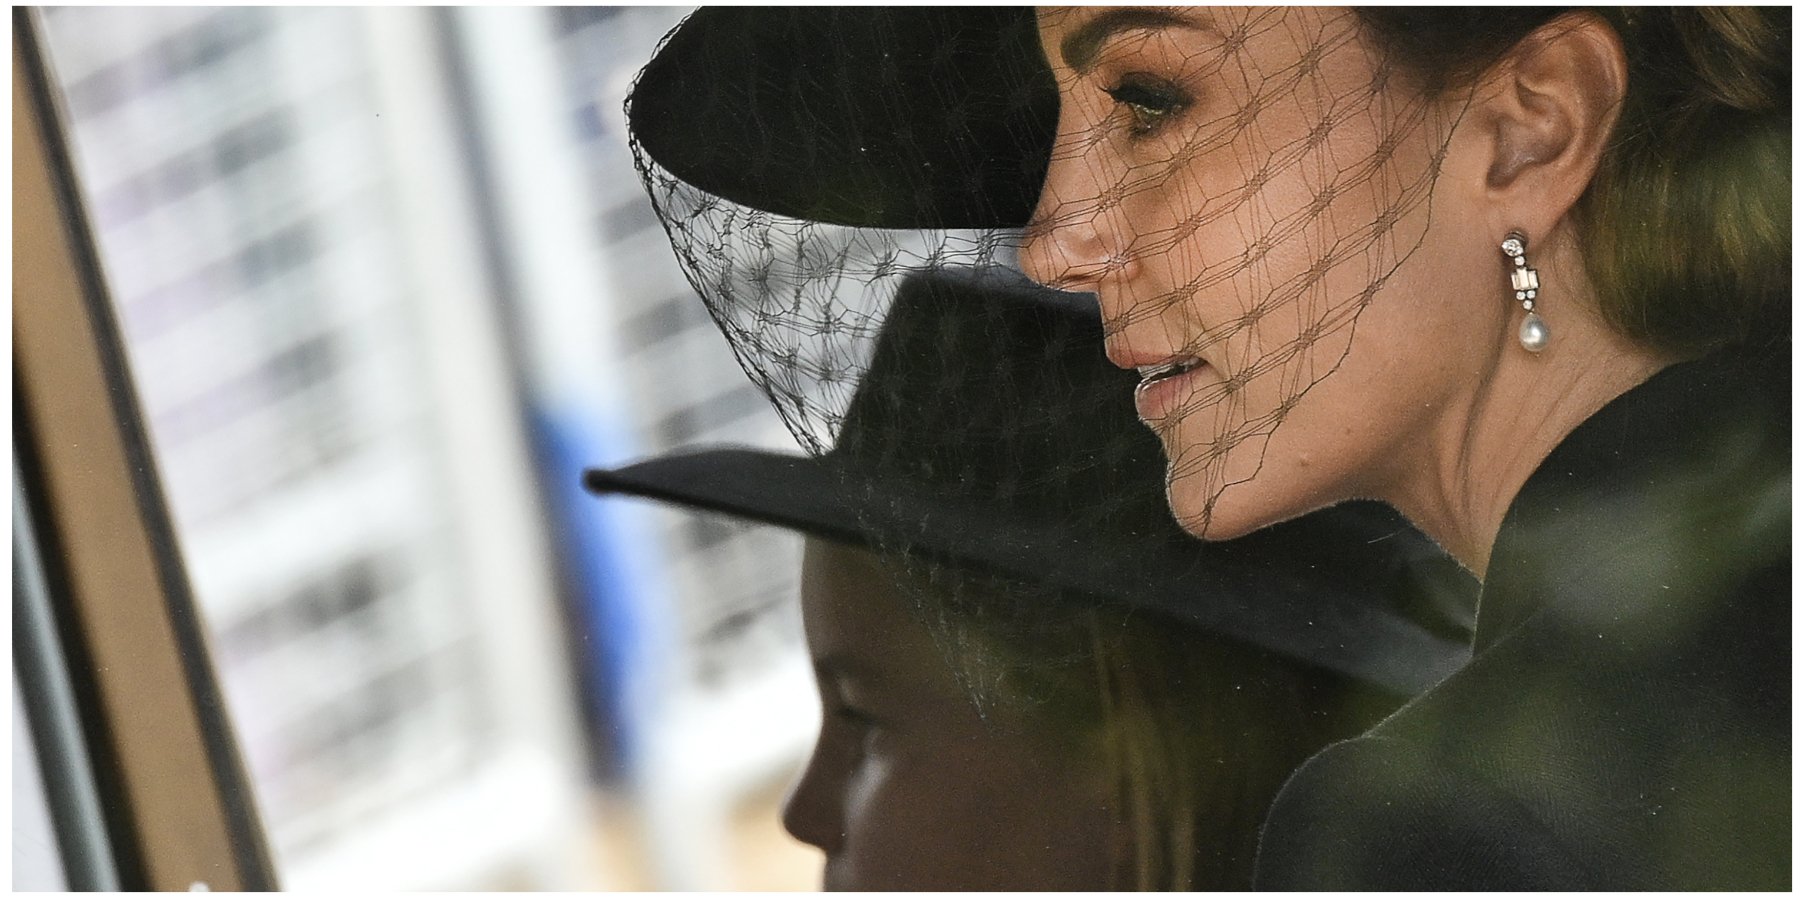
x=1231 y=513
x=1210 y=528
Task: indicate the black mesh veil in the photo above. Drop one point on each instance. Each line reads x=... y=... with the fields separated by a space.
x=798 y=201
x=823 y=172
x=1254 y=225
x=804 y=162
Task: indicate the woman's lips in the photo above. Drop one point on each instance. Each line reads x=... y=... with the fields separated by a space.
x=1160 y=397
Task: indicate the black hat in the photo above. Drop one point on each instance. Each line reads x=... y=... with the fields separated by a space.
x=990 y=433
x=885 y=117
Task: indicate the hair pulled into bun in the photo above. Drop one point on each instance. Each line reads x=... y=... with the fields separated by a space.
x=1685 y=228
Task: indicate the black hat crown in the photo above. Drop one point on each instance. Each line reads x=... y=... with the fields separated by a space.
x=951 y=127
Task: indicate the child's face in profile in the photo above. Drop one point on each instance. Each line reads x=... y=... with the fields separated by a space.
x=907 y=788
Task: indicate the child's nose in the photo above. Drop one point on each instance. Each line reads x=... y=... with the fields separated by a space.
x=811 y=812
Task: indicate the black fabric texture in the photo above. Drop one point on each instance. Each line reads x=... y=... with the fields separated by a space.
x=1625 y=723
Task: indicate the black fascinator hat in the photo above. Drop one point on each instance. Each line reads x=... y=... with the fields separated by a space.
x=989 y=433
x=881 y=117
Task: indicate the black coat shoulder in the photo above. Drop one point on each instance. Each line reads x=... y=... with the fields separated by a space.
x=1379 y=814
x=1625 y=722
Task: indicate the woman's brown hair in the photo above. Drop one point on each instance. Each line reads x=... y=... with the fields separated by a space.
x=1685 y=228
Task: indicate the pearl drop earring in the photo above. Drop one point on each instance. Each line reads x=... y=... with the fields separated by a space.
x=1534 y=333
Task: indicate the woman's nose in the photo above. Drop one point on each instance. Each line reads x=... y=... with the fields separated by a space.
x=1073 y=243
x=811 y=812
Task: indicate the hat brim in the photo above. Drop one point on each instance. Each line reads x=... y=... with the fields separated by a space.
x=1306 y=612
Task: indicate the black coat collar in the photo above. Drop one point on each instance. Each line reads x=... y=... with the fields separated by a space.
x=1660 y=483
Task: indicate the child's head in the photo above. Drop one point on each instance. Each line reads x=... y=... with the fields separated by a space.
x=982 y=735
x=909 y=786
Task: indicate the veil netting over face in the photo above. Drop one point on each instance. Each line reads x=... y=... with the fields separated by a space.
x=1234 y=197
x=821 y=172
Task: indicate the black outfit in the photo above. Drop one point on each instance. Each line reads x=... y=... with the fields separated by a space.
x=1625 y=721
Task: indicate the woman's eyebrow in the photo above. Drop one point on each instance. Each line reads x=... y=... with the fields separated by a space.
x=1084 y=43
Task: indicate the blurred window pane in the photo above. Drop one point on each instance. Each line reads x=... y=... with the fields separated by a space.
x=370 y=389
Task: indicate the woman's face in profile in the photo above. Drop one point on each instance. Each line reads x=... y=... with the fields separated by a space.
x=907 y=788
x=1246 y=190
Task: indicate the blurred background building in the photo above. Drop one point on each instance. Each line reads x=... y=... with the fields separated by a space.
x=389 y=283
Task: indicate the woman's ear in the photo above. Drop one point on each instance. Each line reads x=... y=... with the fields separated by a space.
x=1549 y=108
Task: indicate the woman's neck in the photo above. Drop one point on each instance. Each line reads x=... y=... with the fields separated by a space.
x=1487 y=445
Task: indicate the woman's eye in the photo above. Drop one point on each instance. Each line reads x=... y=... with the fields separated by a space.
x=1149 y=102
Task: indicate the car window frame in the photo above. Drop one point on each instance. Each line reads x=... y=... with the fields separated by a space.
x=176 y=806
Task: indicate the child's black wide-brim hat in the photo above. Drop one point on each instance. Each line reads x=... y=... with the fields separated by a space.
x=989 y=433
x=880 y=117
